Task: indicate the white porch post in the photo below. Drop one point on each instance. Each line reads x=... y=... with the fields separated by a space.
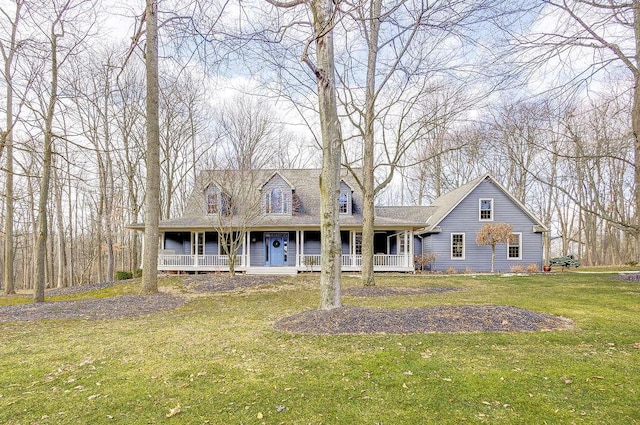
x=297 y=249
x=301 y=245
x=352 y=247
x=247 y=253
x=194 y=248
x=411 y=248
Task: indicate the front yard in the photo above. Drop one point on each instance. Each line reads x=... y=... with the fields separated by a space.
x=218 y=359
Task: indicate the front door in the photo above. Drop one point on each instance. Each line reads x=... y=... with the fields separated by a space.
x=276 y=249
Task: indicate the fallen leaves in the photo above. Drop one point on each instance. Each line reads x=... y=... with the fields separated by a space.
x=173 y=412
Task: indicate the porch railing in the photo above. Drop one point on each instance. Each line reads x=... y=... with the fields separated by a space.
x=380 y=261
x=205 y=261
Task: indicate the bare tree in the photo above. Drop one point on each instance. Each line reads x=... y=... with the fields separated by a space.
x=611 y=31
x=152 y=200
x=8 y=51
x=493 y=234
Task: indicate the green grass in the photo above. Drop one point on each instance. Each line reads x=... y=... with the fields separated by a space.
x=218 y=360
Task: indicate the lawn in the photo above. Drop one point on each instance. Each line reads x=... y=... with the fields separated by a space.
x=218 y=360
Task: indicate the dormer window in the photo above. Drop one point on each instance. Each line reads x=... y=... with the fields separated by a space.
x=486 y=209
x=344 y=203
x=212 y=199
x=276 y=202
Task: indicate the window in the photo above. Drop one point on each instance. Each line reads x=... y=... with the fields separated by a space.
x=276 y=202
x=486 y=209
x=211 y=196
x=457 y=246
x=402 y=244
x=344 y=203
x=514 y=250
x=357 y=244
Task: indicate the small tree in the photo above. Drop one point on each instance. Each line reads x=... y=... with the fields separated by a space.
x=494 y=234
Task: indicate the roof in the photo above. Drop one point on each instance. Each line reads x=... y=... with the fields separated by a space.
x=305 y=186
x=443 y=205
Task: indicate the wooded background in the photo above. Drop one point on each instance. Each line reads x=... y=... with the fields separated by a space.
x=544 y=95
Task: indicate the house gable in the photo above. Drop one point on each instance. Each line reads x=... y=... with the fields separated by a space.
x=277 y=196
x=464 y=220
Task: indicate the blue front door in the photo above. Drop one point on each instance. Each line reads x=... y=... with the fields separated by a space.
x=276 y=250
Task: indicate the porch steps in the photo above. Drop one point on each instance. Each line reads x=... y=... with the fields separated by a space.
x=283 y=271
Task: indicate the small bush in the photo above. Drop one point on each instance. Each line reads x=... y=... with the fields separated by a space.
x=123 y=275
x=532 y=268
x=517 y=268
x=451 y=270
x=468 y=270
x=137 y=273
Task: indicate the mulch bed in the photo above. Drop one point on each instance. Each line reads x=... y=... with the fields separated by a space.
x=629 y=277
x=93 y=309
x=385 y=291
x=445 y=319
x=224 y=282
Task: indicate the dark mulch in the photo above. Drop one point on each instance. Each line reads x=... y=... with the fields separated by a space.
x=225 y=282
x=92 y=309
x=629 y=277
x=445 y=319
x=384 y=291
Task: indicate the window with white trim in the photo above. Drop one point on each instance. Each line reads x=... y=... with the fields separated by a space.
x=213 y=202
x=357 y=243
x=486 y=209
x=344 y=203
x=514 y=247
x=457 y=246
x=276 y=202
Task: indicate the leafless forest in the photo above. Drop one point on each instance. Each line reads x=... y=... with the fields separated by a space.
x=544 y=95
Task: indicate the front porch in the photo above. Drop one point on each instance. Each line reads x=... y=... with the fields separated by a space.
x=304 y=263
x=281 y=252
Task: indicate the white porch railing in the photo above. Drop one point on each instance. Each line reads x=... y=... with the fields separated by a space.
x=195 y=262
x=381 y=262
x=354 y=262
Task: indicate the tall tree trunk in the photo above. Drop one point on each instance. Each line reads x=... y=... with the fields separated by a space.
x=368 y=188
x=61 y=281
x=330 y=290
x=152 y=202
x=47 y=157
x=8 y=271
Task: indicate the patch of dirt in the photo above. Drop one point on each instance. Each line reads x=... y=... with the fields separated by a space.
x=384 y=291
x=92 y=309
x=443 y=319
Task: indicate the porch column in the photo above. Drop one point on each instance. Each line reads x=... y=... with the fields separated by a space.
x=411 y=248
x=301 y=245
x=194 y=249
x=248 y=249
x=297 y=249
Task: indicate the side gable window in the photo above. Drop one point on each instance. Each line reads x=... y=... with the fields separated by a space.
x=212 y=199
x=514 y=247
x=344 y=203
x=457 y=246
x=486 y=209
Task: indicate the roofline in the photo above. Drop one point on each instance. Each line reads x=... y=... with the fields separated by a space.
x=502 y=188
x=281 y=176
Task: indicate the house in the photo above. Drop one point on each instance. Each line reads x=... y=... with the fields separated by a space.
x=270 y=219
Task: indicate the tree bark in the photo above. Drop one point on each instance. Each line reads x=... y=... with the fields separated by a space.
x=45 y=181
x=330 y=284
x=152 y=200
x=368 y=184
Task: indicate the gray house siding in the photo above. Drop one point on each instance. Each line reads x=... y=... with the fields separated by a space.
x=465 y=219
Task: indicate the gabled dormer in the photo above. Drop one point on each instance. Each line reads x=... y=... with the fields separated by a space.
x=277 y=196
x=212 y=199
x=345 y=201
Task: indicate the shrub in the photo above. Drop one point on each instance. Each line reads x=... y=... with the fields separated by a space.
x=532 y=268
x=123 y=275
x=137 y=273
x=517 y=268
x=451 y=270
x=468 y=270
